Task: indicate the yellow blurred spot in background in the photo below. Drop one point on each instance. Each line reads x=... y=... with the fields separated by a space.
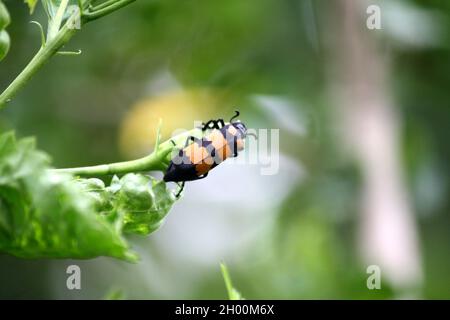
x=177 y=109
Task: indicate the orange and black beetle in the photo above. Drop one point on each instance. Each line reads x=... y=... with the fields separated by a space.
x=199 y=156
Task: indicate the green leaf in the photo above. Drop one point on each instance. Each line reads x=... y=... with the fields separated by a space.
x=141 y=200
x=44 y=214
x=31 y=4
x=47 y=215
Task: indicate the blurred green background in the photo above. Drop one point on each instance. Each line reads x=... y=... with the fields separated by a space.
x=364 y=155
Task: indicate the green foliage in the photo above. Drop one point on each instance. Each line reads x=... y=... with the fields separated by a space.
x=233 y=294
x=44 y=214
x=49 y=214
x=141 y=201
x=63 y=23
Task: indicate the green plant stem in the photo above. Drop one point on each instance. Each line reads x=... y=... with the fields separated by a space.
x=233 y=294
x=39 y=60
x=156 y=161
x=57 y=20
x=54 y=43
x=153 y=162
x=227 y=279
x=106 y=9
x=103 y=5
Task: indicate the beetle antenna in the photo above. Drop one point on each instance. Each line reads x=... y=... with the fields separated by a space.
x=237 y=113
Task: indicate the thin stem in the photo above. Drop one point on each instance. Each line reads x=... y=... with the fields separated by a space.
x=57 y=20
x=41 y=30
x=152 y=162
x=157 y=161
x=103 y=5
x=227 y=279
x=111 y=7
x=233 y=294
x=40 y=59
x=52 y=46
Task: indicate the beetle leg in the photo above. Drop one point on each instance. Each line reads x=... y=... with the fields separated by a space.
x=235 y=151
x=181 y=185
